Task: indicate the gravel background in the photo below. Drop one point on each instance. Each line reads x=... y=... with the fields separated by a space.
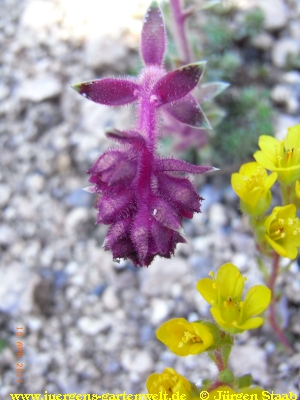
x=90 y=323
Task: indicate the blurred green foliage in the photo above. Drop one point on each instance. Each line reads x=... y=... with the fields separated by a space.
x=249 y=116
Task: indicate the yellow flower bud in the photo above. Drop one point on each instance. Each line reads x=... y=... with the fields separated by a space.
x=252 y=184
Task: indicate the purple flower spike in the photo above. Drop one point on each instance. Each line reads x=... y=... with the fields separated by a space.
x=143 y=197
x=153 y=41
x=111 y=92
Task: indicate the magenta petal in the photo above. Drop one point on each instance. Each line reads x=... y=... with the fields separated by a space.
x=180 y=192
x=177 y=84
x=153 y=41
x=140 y=234
x=161 y=237
x=171 y=164
x=117 y=231
x=165 y=214
x=111 y=206
x=130 y=137
x=106 y=160
x=108 y=91
x=188 y=111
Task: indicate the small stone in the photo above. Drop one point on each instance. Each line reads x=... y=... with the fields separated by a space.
x=110 y=299
x=276 y=14
x=35 y=183
x=5 y=193
x=294 y=361
x=282 y=122
x=291 y=77
x=217 y=216
x=4 y=91
x=160 y=278
x=263 y=41
x=160 y=310
x=106 y=52
x=137 y=361
x=41 y=88
x=283 y=94
x=283 y=49
x=250 y=357
x=7 y=235
x=292 y=289
x=76 y=218
x=92 y=326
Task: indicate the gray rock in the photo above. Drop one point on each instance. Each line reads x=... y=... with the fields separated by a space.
x=283 y=49
x=292 y=289
x=282 y=122
x=137 y=361
x=91 y=326
x=76 y=218
x=110 y=299
x=250 y=357
x=40 y=88
x=4 y=91
x=160 y=309
x=217 y=216
x=276 y=14
x=291 y=77
x=5 y=193
x=106 y=52
x=263 y=41
x=159 y=278
x=283 y=94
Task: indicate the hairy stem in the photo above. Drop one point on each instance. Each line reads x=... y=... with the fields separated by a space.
x=272 y=315
x=182 y=42
x=219 y=360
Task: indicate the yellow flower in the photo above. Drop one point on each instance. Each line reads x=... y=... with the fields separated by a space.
x=224 y=294
x=282 y=156
x=283 y=231
x=184 y=338
x=252 y=184
x=169 y=381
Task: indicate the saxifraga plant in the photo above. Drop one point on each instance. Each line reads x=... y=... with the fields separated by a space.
x=144 y=197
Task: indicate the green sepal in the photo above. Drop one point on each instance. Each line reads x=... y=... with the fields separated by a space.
x=206 y=383
x=154 y=4
x=226 y=376
x=244 y=381
x=215 y=331
x=76 y=87
x=194 y=390
x=226 y=350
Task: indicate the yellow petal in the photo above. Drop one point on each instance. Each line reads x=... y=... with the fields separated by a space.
x=252 y=323
x=276 y=246
x=285 y=212
x=207 y=289
x=271 y=179
x=264 y=160
x=230 y=281
x=269 y=146
x=292 y=140
x=256 y=301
